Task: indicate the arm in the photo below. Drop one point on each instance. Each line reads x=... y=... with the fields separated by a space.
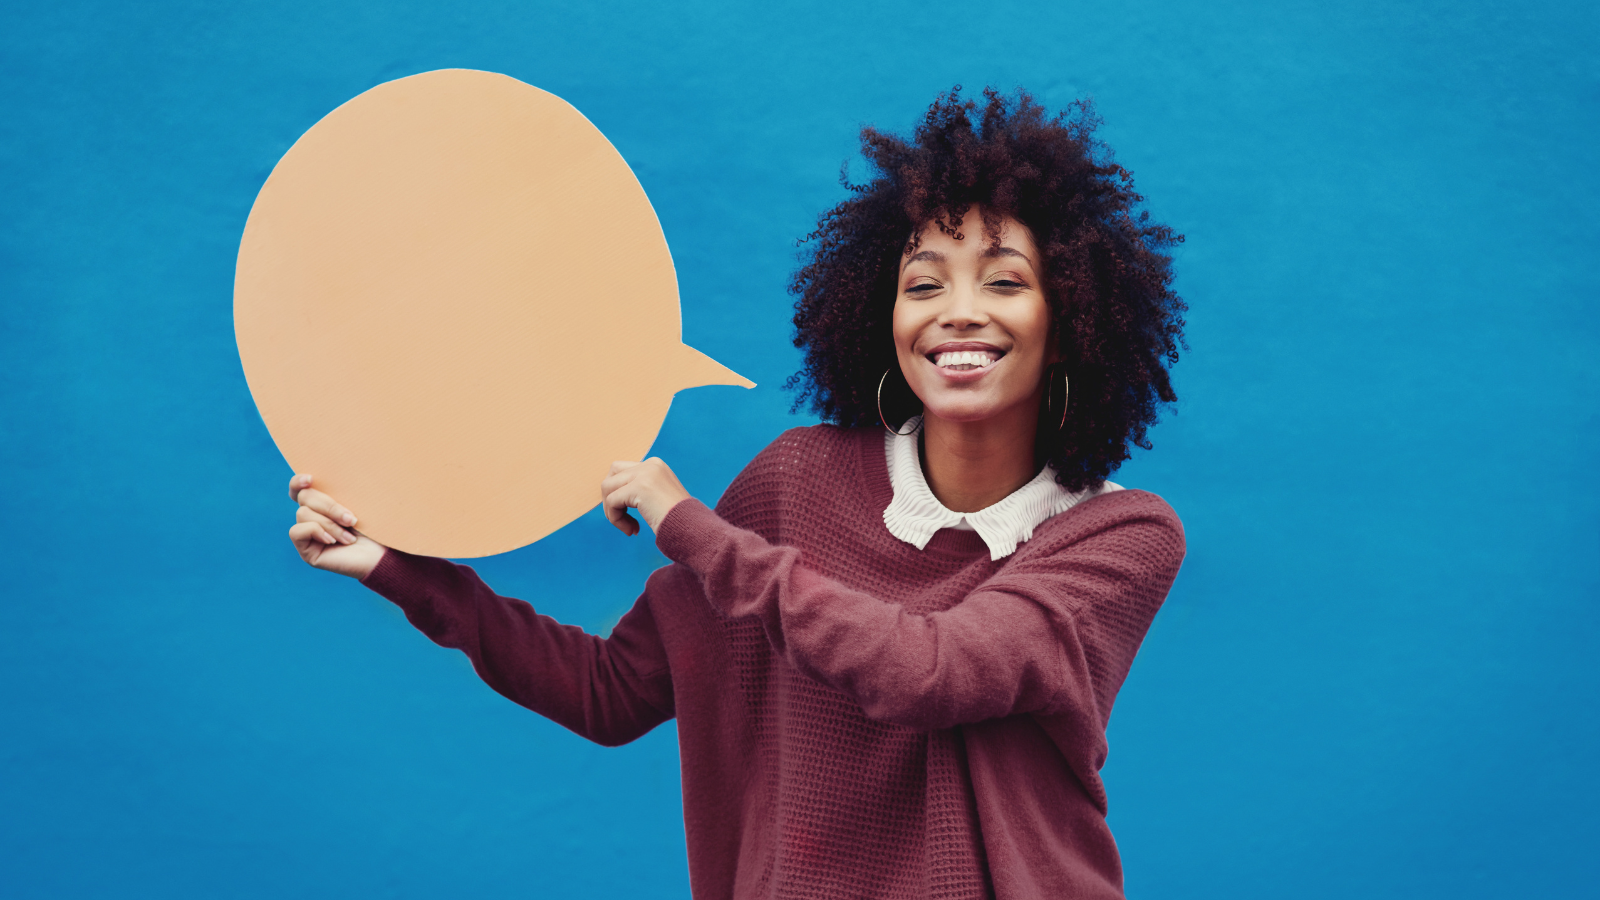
x=609 y=690
x=1030 y=640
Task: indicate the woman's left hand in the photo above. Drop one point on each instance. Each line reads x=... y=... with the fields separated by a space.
x=649 y=486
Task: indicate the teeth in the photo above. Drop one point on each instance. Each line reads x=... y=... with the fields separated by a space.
x=979 y=358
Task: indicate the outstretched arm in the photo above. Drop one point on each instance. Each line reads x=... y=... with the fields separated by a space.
x=609 y=690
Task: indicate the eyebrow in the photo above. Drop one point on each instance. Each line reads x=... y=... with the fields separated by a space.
x=995 y=252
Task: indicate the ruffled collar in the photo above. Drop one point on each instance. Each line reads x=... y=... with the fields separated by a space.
x=915 y=514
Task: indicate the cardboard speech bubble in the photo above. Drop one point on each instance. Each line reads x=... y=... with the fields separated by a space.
x=455 y=307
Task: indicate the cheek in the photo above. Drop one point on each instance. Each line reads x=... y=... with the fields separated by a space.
x=1032 y=331
x=1036 y=329
x=904 y=330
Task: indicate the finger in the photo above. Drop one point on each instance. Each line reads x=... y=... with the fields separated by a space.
x=615 y=482
x=297 y=484
x=616 y=506
x=620 y=478
x=322 y=503
x=343 y=535
x=622 y=465
x=618 y=516
x=308 y=534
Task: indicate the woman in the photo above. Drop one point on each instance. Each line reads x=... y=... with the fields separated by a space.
x=893 y=647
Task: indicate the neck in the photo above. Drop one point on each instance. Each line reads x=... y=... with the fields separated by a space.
x=971 y=465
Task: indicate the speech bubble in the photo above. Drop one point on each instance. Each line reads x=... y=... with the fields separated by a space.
x=455 y=307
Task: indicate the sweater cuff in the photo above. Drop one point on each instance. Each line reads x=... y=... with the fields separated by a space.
x=690 y=534
x=399 y=578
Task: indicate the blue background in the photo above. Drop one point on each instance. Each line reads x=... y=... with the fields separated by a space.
x=1375 y=676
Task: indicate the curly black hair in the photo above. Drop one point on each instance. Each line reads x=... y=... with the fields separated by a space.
x=1107 y=269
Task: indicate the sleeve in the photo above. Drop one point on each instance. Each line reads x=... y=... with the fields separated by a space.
x=609 y=690
x=1051 y=634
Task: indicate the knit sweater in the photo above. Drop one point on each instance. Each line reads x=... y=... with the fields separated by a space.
x=856 y=717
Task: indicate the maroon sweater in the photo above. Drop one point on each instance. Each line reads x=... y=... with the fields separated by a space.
x=856 y=718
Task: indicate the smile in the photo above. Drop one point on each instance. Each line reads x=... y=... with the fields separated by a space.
x=965 y=359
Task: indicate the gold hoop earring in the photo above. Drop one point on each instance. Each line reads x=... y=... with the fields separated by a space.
x=883 y=421
x=1049 y=391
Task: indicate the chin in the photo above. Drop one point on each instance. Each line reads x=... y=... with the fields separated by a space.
x=961 y=412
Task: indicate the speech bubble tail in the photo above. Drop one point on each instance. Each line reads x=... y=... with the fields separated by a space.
x=695 y=369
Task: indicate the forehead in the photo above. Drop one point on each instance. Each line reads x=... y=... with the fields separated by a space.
x=976 y=240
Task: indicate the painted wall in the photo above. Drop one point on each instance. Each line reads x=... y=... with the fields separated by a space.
x=1375 y=677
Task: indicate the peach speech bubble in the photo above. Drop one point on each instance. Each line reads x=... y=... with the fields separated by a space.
x=455 y=307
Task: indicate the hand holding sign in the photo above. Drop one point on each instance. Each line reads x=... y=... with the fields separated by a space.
x=454 y=305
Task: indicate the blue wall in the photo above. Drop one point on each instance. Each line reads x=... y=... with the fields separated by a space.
x=1375 y=677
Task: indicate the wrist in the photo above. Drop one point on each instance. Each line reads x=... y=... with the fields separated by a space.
x=659 y=511
x=671 y=505
x=367 y=554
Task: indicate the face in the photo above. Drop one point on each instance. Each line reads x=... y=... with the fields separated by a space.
x=971 y=325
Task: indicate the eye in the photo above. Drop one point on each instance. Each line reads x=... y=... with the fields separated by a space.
x=1007 y=284
x=922 y=289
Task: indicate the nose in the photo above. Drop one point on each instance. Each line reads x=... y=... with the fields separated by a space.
x=964 y=310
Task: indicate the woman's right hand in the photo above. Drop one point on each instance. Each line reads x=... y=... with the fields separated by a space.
x=324 y=533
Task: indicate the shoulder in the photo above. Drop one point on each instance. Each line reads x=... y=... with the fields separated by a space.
x=800 y=453
x=797 y=462
x=1110 y=560
x=809 y=445
x=1132 y=505
x=1132 y=522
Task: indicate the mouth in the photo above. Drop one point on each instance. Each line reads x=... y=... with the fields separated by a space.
x=965 y=357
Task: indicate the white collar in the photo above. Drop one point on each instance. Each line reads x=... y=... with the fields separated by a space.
x=915 y=514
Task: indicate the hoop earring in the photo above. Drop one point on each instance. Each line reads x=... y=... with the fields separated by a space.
x=1049 y=392
x=883 y=421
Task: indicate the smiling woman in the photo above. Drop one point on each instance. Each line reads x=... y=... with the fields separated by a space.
x=1097 y=261
x=892 y=651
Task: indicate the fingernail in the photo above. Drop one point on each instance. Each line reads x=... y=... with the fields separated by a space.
x=348 y=519
x=347 y=537
x=328 y=538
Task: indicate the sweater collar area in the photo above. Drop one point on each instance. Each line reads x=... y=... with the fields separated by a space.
x=914 y=514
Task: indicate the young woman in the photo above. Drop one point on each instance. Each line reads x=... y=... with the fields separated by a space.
x=893 y=647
